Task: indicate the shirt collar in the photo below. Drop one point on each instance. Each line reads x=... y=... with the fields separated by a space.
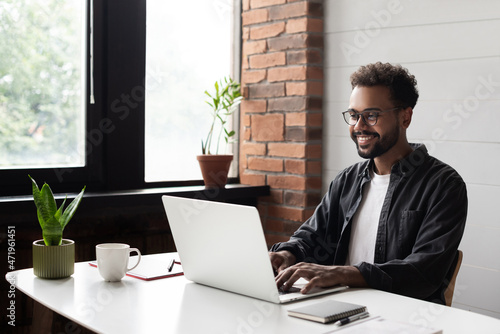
x=405 y=166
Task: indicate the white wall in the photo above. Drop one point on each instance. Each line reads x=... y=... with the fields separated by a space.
x=453 y=49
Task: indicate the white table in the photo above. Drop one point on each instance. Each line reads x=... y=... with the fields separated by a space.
x=176 y=305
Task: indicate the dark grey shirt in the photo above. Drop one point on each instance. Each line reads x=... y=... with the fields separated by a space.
x=421 y=224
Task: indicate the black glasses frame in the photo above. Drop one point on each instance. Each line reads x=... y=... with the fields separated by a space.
x=350 y=113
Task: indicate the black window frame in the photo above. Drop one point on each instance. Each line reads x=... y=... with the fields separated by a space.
x=115 y=127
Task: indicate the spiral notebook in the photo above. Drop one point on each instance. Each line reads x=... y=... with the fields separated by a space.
x=327 y=311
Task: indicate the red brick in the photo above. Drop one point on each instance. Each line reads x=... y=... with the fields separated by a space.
x=303 y=8
x=245 y=5
x=303 y=134
x=302 y=199
x=245 y=120
x=247 y=149
x=288 y=150
x=304 y=57
x=295 y=41
x=253 y=106
x=252 y=149
x=244 y=63
x=314 y=167
x=266 y=90
x=313 y=182
x=252 y=179
x=295 y=198
x=265 y=3
x=296 y=88
x=245 y=33
x=288 y=104
x=296 y=134
x=308 y=213
x=304 y=24
x=296 y=119
x=267 y=60
x=289 y=213
x=314 y=103
x=314 y=151
x=274 y=225
x=289 y=11
x=275 y=197
x=268 y=127
x=254 y=16
x=266 y=31
x=287 y=73
x=246 y=134
x=295 y=166
x=304 y=88
x=287 y=182
x=289 y=227
x=315 y=72
x=265 y=164
x=262 y=208
x=315 y=119
x=256 y=76
x=253 y=47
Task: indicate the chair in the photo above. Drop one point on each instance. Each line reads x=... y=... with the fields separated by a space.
x=448 y=293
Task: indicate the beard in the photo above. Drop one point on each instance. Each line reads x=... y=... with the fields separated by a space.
x=381 y=146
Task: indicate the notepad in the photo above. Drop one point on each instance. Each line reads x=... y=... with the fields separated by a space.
x=150 y=269
x=327 y=311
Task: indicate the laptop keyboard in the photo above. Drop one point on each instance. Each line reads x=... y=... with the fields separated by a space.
x=291 y=290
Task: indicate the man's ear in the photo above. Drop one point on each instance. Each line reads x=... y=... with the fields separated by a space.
x=405 y=117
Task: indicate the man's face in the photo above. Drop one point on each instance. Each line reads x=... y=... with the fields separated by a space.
x=374 y=141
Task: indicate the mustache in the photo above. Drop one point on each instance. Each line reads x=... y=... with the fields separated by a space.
x=365 y=133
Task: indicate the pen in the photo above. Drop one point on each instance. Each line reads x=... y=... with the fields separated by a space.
x=171 y=265
x=347 y=320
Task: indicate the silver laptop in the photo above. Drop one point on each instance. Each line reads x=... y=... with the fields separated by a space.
x=223 y=246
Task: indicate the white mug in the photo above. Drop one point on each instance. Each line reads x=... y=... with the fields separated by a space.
x=112 y=260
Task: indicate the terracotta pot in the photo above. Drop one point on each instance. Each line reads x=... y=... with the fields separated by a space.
x=214 y=168
x=54 y=261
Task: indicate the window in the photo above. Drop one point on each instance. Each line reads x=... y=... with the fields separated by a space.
x=99 y=47
x=42 y=114
x=188 y=47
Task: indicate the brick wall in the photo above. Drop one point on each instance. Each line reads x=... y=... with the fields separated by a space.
x=281 y=116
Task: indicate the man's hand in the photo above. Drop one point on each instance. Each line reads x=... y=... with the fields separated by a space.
x=281 y=260
x=320 y=276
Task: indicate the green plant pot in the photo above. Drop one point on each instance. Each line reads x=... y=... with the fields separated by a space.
x=54 y=261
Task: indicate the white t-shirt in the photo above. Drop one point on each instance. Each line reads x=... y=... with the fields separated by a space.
x=366 y=219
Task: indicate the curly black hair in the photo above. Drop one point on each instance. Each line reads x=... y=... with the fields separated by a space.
x=402 y=85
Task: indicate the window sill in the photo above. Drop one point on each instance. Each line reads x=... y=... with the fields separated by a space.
x=233 y=193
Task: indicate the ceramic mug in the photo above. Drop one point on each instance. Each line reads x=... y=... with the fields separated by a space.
x=112 y=260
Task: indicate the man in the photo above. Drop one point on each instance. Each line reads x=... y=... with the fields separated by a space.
x=392 y=222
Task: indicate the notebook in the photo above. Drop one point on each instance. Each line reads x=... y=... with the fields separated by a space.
x=150 y=269
x=223 y=246
x=327 y=311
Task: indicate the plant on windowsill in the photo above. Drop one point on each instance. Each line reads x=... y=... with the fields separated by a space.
x=223 y=103
x=53 y=256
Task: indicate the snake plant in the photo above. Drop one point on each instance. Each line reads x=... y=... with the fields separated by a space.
x=51 y=219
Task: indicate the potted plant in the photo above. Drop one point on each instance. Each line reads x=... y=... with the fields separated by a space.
x=53 y=256
x=223 y=102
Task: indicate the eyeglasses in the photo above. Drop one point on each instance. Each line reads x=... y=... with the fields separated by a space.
x=369 y=116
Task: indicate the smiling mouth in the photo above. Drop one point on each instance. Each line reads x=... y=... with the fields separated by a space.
x=364 y=139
